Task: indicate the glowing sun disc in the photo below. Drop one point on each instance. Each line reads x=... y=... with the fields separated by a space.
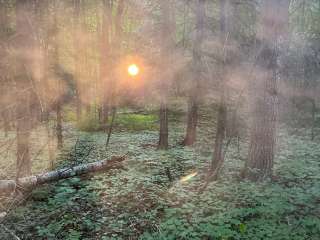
x=133 y=70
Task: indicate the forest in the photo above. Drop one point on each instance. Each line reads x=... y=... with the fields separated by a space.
x=160 y=119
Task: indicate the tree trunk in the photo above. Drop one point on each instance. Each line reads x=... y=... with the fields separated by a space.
x=263 y=127
x=24 y=42
x=49 y=144
x=105 y=58
x=6 y=122
x=264 y=97
x=218 y=155
x=114 y=112
x=59 y=127
x=193 y=102
x=313 y=118
x=77 y=60
x=163 y=136
x=167 y=32
x=23 y=126
x=55 y=57
x=25 y=183
x=192 y=122
x=5 y=82
x=110 y=55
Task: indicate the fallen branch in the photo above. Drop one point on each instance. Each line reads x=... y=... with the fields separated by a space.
x=8 y=186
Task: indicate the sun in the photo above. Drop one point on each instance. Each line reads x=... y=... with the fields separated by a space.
x=133 y=70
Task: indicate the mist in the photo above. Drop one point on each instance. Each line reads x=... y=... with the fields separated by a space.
x=159 y=119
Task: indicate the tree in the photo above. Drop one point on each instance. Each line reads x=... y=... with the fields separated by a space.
x=4 y=80
x=264 y=90
x=167 y=31
x=77 y=55
x=24 y=43
x=193 y=103
x=105 y=58
x=58 y=105
x=27 y=183
x=218 y=155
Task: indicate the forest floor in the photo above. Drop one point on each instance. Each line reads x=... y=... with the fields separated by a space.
x=157 y=195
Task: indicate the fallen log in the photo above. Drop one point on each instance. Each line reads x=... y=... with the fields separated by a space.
x=8 y=186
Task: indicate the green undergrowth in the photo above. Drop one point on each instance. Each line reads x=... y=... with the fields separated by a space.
x=135 y=122
x=122 y=122
x=151 y=198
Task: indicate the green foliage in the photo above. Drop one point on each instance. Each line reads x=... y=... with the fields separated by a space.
x=89 y=123
x=68 y=211
x=135 y=122
x=69 y=115
x=142 y=202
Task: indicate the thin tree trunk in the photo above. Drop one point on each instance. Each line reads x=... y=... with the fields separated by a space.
x=105 y=61
x=4 y=111
x=167 y=35
x=24 y=41
x=163 y=136
x=114 y=112
x=60 y=91
x=313 y=118
x=23 y=126
x=6 y=122
x=218 y=155
x=50 y=145
x=105 y=64
x=193 y=102
x=77 y=61
x=59 y=127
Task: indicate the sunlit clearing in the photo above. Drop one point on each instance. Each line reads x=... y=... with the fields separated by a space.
x=188 y=177
x=133 y=70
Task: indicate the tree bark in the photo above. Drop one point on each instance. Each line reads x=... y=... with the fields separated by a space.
x=114 y=112
x=192 y=119
x=49 y=144
x=77 y=60
x=163 y=136
x=313 y=118
x=25 y=183
x=167 y=31
x=4 y=110
x=23 y=126
x=59 y=127
x=6 y=122
x=59 y=87
x=218 y=154
x=110 y=55
x=192 y=122
x=264 y=96
x=105 y=60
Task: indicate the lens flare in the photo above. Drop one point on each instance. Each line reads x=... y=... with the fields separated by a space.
x=188 y=177
x=133 y=70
